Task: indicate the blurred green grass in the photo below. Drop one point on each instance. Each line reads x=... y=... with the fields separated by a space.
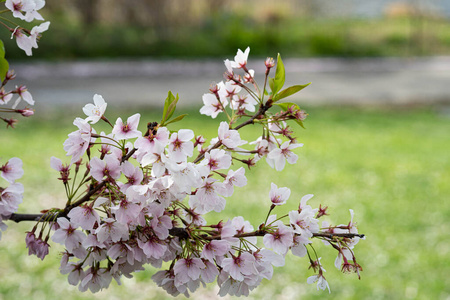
x=391 y=165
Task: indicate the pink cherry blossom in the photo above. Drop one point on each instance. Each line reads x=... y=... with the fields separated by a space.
x=41 y=248
x=23 y=41
x=244 y=102
x=78 y=141
x=95 y=280
x=229 y=137
x=126 y=211
x=64 y=170
x=209 y=273
x=84 y=216
x=10 y=198
x=153 y=143
x=234 y=178
x=321 y=282
x=180 y=145
x=127 y=130
x=187 y=269
x=161 y=226
x=24 y=94
x=240 y=60
x=110 y=229
x=12 y=170
x=5 y=97
x=33 y=14
x=249 y=76
x=75 y=271
x=166 y=280
x=283 y=154
x=304 y=200
x=28 y=42
x=215 y=249
x=238 y=266
x=298 y=247
x=133 y=175
x=264 y=260
x=217 y=159
x=152 y=247
x=207 y=197
x=230 y=89
x=17 y=7
x=68 y=235
x=36 y=246
x=213 y=106
x=122 y=250
x=109 y=168
x=29 y=7
x=36 y=31
x=280 y=239
x=95 y=111
x=30 y=240
x=279 y=196
x=227 y=63
x=304 y=222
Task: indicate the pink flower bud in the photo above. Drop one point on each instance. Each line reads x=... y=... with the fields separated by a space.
x=25 y=112
x=270 y=63
x=10 y=75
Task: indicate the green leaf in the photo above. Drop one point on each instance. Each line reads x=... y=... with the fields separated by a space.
x=289 y=91
x=169 y=107
x=172 y=107
x=286 y=105
x=179 y=118
x=271 y=84
x=280 y=76
x=4 y=65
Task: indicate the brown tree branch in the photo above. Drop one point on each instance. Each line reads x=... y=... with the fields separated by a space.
x=182 y=233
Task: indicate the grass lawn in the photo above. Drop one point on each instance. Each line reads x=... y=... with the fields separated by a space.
x=392 y=166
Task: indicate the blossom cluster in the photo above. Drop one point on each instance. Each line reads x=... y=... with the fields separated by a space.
x=11 y=196
x=138 y=195
x=6 y=96
x=143 y=196
x=26 y=10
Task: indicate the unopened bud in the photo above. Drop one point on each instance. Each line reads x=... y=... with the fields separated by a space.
x=270 y=63
x=25 y=112
x=10 y=75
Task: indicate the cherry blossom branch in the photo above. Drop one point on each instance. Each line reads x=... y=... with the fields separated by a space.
x=43 y=217
x=183 y=233
x=262 y=110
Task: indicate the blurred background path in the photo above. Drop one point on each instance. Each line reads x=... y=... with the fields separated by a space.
x=361 y=81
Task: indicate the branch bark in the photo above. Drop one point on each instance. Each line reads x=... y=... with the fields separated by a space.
x=182 y=233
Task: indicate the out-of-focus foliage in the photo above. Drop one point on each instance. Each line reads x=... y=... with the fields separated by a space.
x=166 y=28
